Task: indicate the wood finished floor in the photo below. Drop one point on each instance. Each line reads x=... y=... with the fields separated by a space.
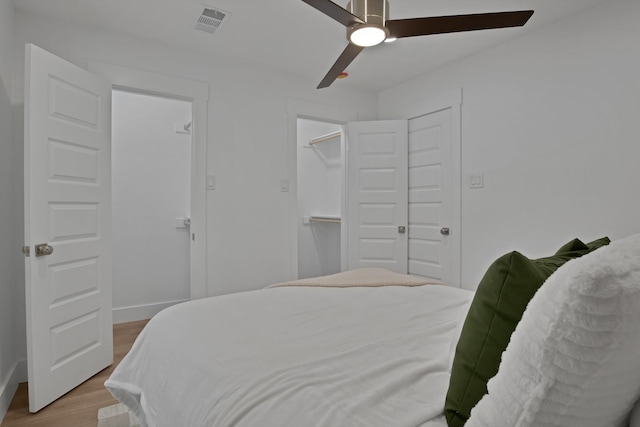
x=79 y=407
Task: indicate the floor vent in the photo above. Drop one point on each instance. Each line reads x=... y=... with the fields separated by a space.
x=210 y=20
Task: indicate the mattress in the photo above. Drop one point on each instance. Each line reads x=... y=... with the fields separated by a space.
x=296 y=356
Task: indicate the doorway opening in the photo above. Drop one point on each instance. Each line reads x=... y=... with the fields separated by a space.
x=196 y=93
x=320 y=197
x=151 y=202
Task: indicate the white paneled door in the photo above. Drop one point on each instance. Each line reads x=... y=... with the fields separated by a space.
x=430 y=195
x=377 y=188
x=67 y=225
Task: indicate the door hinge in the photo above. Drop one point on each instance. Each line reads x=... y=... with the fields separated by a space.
x=26 y=250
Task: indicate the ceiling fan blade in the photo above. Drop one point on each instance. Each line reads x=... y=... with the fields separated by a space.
x=347 y=56
x=334 y=11
x=456 y=23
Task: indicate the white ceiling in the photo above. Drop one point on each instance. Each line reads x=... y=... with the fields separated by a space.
x=291 y=36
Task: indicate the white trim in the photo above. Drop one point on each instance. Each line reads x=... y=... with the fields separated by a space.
x=344 y=202
x=140 y=312
x=9 y=385
x=198 y=225
x=426 y=106
x=150 y=82
x=198 y=93
x=310 y=110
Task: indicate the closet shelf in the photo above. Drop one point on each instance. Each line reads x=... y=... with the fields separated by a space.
x=324 y=138
x=325 y=218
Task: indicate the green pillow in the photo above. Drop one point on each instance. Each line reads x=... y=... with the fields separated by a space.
x=574 y=245
x=598 y=243
x=577 y=245
x=497 y=307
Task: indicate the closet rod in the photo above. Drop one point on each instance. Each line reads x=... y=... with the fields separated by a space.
x=321 y=219
x=325 y=138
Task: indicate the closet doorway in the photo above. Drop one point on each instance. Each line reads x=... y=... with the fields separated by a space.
x=197 y=94
x=320 y=197
x=151 y=202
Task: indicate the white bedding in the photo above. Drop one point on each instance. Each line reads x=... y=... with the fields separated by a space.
x=300 y=357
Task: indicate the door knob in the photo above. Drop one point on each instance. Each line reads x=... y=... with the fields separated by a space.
x=444 y=231
x=402 y=229
x=43 y=250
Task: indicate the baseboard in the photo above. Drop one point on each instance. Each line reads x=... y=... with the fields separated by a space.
x=9 y=385
x=140 y=312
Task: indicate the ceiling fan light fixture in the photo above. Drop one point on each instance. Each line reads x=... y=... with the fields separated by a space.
x=367 y=35
x=367 y=25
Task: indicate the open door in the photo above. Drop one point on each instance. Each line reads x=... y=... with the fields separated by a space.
x=378 y=194
x=67 y=225
x=432 y=229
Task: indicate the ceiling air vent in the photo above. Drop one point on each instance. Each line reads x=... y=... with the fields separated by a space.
x=210 y=20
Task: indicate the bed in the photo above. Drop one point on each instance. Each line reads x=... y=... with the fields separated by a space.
x=345 y=352
x=553 y=341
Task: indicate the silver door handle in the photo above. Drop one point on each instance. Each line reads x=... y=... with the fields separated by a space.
x=402 y=229
x=444 y=231
x=43 y=249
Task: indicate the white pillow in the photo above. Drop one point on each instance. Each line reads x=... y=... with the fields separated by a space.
x=635 y=415
x=574 y=358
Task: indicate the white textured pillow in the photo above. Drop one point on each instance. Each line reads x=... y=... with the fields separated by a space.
x=574 y=358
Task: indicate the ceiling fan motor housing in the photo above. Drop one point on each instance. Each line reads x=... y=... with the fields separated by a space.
x=373 y=12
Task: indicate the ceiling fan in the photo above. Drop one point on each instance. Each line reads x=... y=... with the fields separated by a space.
x=367 y=25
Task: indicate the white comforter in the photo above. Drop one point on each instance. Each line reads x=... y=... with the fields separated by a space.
x=299 y=357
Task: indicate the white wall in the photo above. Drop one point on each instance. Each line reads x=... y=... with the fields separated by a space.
x=551 y=119
x=8 y=249
x=319 y=193
x=151 y=167
x=248 y=225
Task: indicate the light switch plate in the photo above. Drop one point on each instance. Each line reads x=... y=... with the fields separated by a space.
x=476 y=180
x=284 y=185
x=211 y=182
